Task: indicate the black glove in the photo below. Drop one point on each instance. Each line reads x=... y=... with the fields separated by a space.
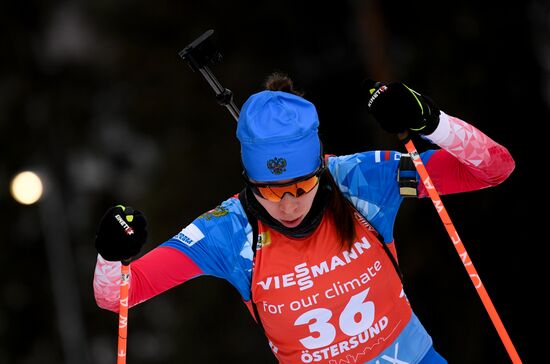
x=398 y=108
x=121 y=233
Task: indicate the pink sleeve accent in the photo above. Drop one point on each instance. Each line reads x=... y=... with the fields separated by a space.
x=107 y=284
x=157 y=271
x=469 y=160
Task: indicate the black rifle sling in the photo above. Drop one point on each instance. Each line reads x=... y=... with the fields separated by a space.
x=406 y=177
x=253 y=221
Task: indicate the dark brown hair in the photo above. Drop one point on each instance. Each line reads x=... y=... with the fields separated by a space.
x=339 y=207
x=279 y=81
x=341 y=211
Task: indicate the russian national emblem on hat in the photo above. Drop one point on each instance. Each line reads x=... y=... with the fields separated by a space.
x=278 y=132
x=277 y=165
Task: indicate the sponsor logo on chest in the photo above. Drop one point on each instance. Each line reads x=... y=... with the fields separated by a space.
x=303 y=274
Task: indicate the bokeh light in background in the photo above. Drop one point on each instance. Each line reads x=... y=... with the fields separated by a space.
x=26 y=188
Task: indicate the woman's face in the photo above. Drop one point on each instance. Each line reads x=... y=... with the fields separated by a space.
x=290 y=211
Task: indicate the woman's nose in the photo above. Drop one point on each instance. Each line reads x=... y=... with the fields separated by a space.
x=288 y=203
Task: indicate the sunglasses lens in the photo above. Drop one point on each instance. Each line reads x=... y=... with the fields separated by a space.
x=275 y=193
x=269 y=194
x=307 y=185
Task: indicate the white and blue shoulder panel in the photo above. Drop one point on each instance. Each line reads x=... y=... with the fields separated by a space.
x=369 y=181
x=219 y=242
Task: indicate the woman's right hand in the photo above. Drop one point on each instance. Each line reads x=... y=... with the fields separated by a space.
x=398 y=108
x=121 y=233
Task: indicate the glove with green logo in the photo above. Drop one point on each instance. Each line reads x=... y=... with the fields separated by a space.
x=121 y=233
x=398 y=108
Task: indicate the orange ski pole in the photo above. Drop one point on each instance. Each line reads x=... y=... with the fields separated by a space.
x=460 y=249
x=123 y=313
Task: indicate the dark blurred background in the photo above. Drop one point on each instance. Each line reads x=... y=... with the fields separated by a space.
x=94 y=96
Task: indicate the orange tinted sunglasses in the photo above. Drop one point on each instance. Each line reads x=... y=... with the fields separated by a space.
x=275 y=191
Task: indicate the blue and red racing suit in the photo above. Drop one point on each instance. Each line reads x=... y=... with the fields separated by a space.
x=319 y=302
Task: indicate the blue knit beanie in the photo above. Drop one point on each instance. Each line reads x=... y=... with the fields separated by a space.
x=279 y=137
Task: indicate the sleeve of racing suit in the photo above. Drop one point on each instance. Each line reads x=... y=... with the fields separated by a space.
x=468 y=159
x=217 y=243
x=166 y=267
